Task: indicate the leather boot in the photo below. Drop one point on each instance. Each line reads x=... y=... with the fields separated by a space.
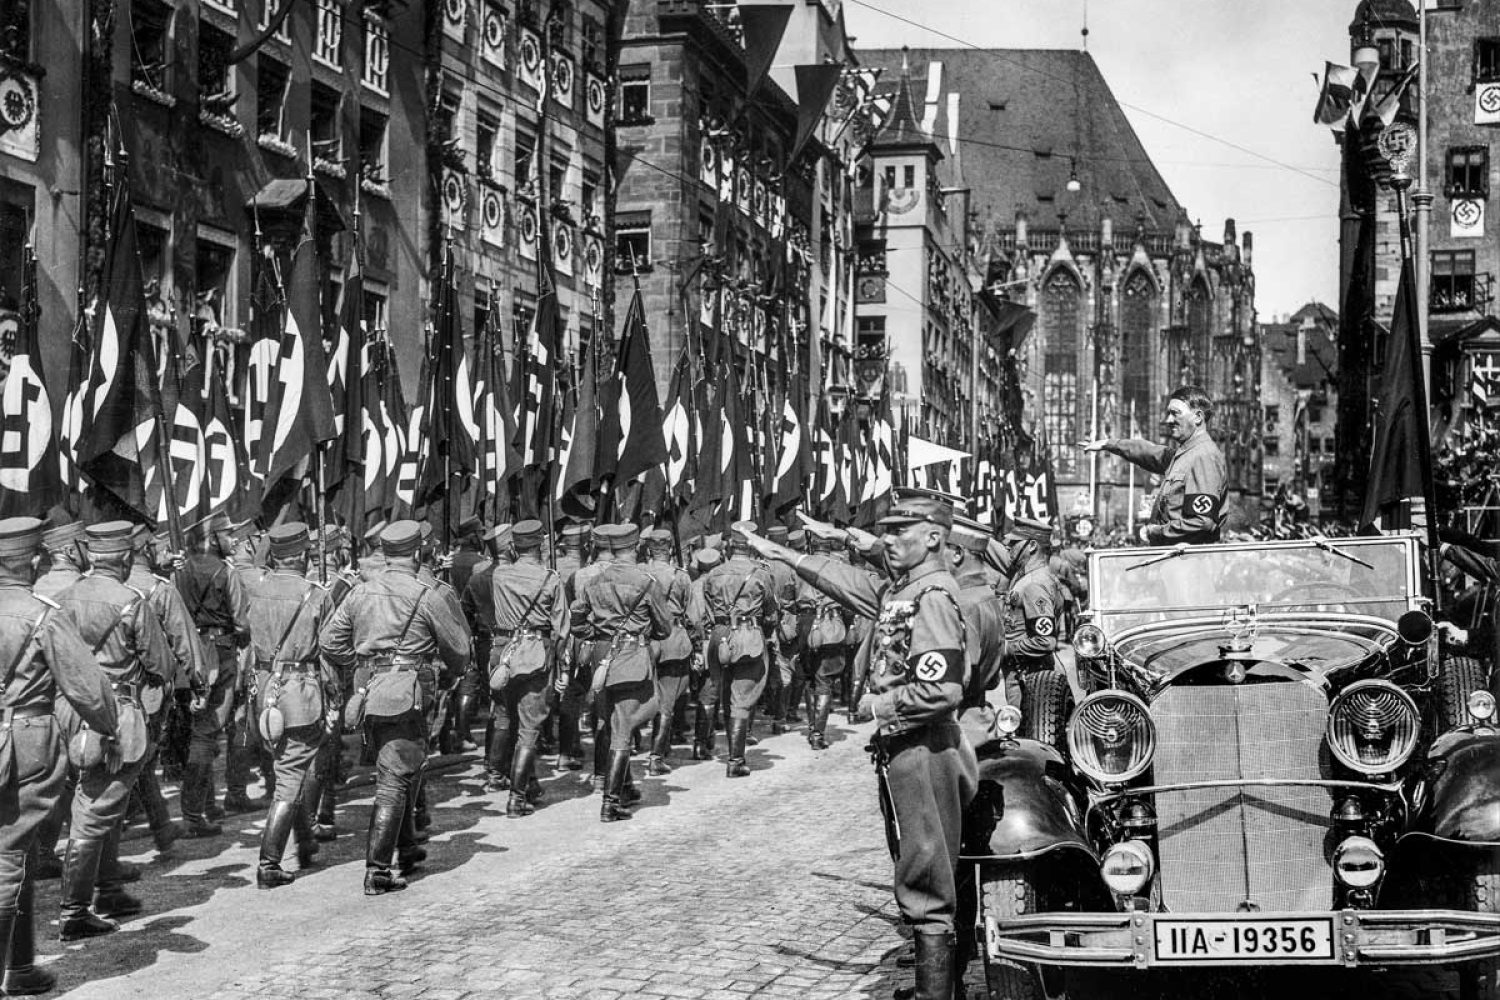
x=463 y=719
x=279 y=819
x=777 y=702
x=703 y=735
x=302 y=821
x=822 y=705
x=324 y=829
x=501 y=761
x=519 y=802
x=80 y=869
x=934 y=966
x=385 y=826
x=197 y=795
x=22 y=977
x=612 y=809
x=739 y=729
x=629 y=794
x=110 y=899
x=660 y=747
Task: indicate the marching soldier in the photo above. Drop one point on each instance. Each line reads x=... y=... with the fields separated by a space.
x=530 y=625
x=1032 y=605
x=1190 y=503
x=984 y=612
x=468 y=553
x=293 y=694
x=784 y=677
x=703 y=562
x=735 y=615
x=393 y=630
x=928 y=773
x=372 y=561
x=570 y=559
x=466 y=557
x=618 y=612
x=122 y=630
x=64 y=545
x=826 y=641
x=215 y=597
x=674 y=654
x=478 y=603
x=43 y=655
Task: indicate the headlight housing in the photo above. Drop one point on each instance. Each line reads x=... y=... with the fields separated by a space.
x=1373 y=727
x=1111 y=737
x=1088 y=641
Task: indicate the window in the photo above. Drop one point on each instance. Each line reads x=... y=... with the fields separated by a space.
x=150 y=49
x=632 y=242
x=372 y=146
x=1486 y=60
x=214 y=282
x=911 y=176
x=1314 y=414
x=1062 y=333
x=1468 y=172
x=1330 y=446
x=1272 y=447
x=557 y=181
x=151 y=244
x=487 y=147
x=593 y=43
x=1200 y=321
x=1452 y=280
x=448 y=122
x=377 y=69
x=328 y=46
x=635 y=95
x=1314 y=446
x=15 y=31
x=215 y=74
x=270 y=97
x=588 y=197
x=525 y=156
x=327 y=137
x=1137 y=326
x=1273 y=418
x=15 y=227
x=268 y=10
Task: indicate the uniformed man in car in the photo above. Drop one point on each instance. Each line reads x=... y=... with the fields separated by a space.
x=1189 y=505
x=915 y=685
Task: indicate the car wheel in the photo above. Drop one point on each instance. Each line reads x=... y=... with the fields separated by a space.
x=1048 y=701
x=1481 y=980
x=1008 y=892
x=1460 y=675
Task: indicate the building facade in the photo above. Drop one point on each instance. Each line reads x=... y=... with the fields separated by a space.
x=1073 y=221
x=1299 y=394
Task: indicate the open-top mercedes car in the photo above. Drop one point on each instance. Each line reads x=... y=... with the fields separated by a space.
x=1263 y=758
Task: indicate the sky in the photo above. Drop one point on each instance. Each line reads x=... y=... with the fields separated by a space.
x=1190 y=73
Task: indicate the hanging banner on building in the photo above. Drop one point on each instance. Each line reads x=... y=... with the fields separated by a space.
x=455 y=13
x=562 y=80
x=761 y=203
x=593 y=259
x=706 y=301
x=594 y=93
x=492 y=216
x=495 y=30
x=708 y=165
x=455 y=198
x=531 y=60
x=726 y=176
x=1466 y=220
x=743 y=190
x=19 y=134
x=562 y=247
x=529 y=232
x=1487 y=103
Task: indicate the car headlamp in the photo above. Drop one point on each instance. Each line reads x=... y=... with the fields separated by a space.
x=1373 y=727
x=1358 y=862
x=1127 y=867
x=1088 y=641
x=1111 y=737
x=1481 y=705
x=1008 y=720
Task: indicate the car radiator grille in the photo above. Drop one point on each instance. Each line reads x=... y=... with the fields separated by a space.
x=1220 y=847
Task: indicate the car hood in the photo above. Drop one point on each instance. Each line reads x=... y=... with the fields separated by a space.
x=1309 y=648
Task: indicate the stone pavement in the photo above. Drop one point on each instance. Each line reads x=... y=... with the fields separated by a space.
x=777 y=885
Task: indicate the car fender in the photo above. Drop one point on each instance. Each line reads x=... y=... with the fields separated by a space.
x=1457 y=794
x=1027 y=805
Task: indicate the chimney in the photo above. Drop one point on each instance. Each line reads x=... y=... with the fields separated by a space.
x=1020 y=227
x=1231 y=249
x=1247 y=248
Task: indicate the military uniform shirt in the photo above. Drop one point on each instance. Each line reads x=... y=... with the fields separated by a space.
x=371 y=620
x=133 y=648
x=527 y=588
x=56 y=660
x=280 y=598
x=737 y=588
x=176 y=623
x=478 y=599
x=215 y=594
x=1031 y=617
x=619 y=599
x=56 y=580
x=1191 y=497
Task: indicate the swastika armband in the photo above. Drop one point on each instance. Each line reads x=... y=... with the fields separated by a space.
x=1041 y=627
x=938 y=665
x=1201 y=504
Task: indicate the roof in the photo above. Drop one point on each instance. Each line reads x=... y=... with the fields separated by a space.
x=1385 y=14
x=1020 y=140
x=901 y=128
x=1321 y=361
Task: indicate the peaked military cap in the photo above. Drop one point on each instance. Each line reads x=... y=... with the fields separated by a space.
x=372 y=533
x=499 y=533
x=741 y=530
x=572 y=534
x=600 y=534
x=778 y=533
x=425 y=527
x=289 y=539
x=527 y=534
x=796 y=538
x=916 y=510
x=469 y=525
x=111 y=536
x=1031 y=528
x=971 y=536
x=401 y=538
x=707 y=559
x=242 y=530
x=618 y=537
x=63 y=535
x=656 y=536
x=20 y=536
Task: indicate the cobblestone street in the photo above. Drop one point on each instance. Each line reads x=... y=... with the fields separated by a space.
x=772 y=886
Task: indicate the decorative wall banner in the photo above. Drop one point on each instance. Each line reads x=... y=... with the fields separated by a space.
x=707 y=299
x=1467 y=219
x=496 y=28
x=743 y=190
x=531 y=59
x=20 y=118
x=595 y=94
x=708 y=165
x=455 y=14
x=726 y=176
x=1487 y=103
x=455 y=198
x=530 y=230
x=492 y=216
x=593 y=259
x=562 y=79
x=562 y=247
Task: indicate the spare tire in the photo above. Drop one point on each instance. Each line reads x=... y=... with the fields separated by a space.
x=1046 y=703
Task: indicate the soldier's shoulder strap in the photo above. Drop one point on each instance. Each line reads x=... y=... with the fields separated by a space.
x=20 y=657
x=49 y=602
x=963 y=625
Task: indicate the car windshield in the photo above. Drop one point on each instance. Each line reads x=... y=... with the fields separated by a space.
x=1367 y=576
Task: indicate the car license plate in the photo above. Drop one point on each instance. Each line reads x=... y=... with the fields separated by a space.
x=1219 y=940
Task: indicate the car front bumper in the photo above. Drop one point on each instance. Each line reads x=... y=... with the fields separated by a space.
x=1133 y=940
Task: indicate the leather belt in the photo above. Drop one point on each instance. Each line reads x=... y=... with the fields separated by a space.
x=126 y=690
x=24 y=712
x=270 y=666
x=387 y=663
x=534 y=633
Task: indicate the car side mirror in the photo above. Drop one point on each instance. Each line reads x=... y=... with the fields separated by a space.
x=1414 y=627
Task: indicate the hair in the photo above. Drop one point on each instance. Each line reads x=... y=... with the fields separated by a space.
x=1196 y=397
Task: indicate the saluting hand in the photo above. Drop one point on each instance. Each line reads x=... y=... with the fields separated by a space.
x=1095 y=445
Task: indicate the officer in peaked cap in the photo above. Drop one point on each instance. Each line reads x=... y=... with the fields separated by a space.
x=294 y=693
x=674 y=654
x=735 y=617
x=619 y=612
x=398 y=637
x=530 y=623
x=916 y=681
x=1033 y=604
x=64 y=545
x=122 y=629
x=216 y=598
x=46 y=657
